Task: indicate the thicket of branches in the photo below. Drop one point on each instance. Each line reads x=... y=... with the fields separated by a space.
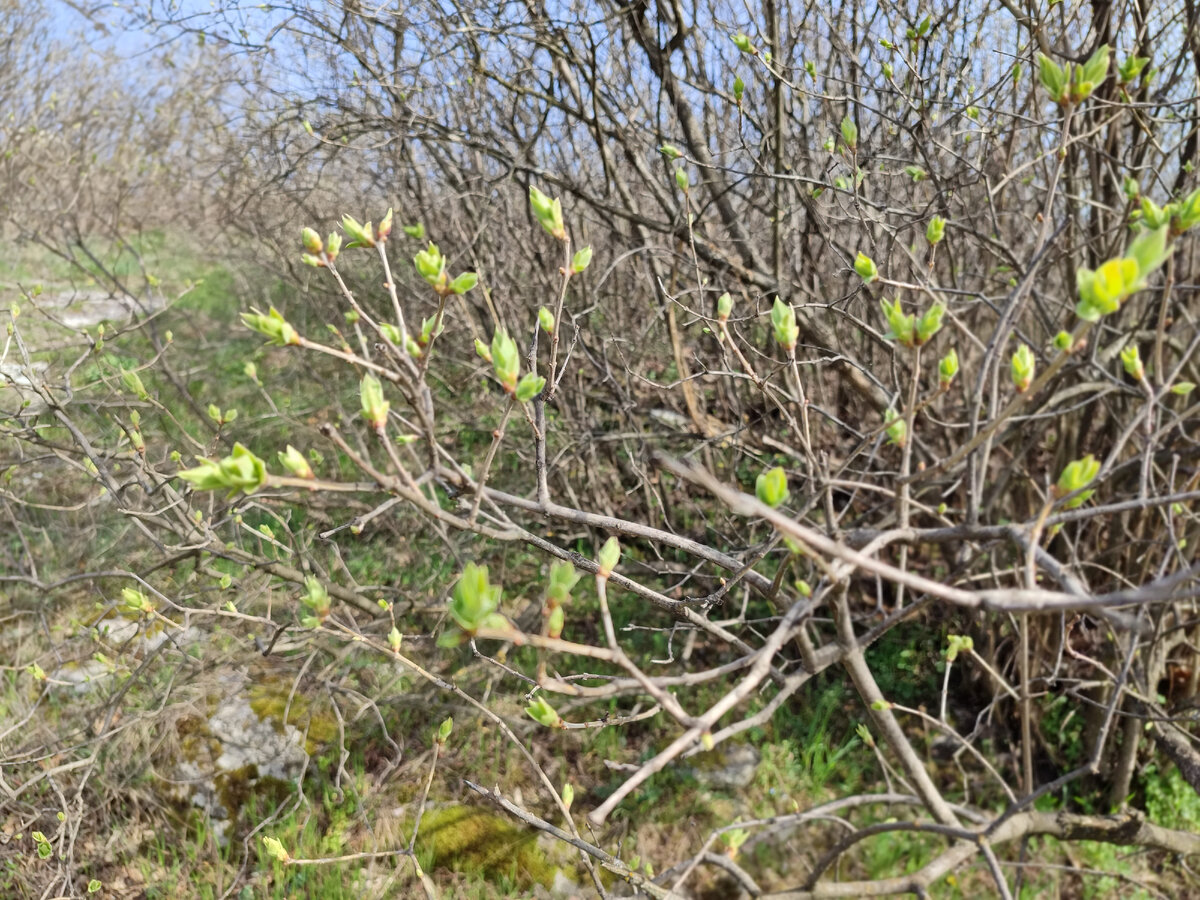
x=787 y=330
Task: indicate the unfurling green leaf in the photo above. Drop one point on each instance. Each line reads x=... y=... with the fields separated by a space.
x=529 y=387
x=548 y=212
x=783 y=321
x=681 y=179
x=464 y=282
x=360 y=235
x=312 y=241
x=866 y=268
x=901 y=328
x=475 y=599
x=543 y=713
x=849 y=133
x=275 y=849
x=240 y=471
x=273 y=326
x=608 y=557
x=294 y=461
x=929 y=324
x=374 y=406
x=581 y=260
x=1076 y=476
x=724 y=307
x=1132 y=361
x=506 y=361
x=1023 y=367
x=431 y=265
x=935 y=230
x=948 y=368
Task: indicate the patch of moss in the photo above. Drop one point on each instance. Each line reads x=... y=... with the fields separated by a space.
x=473 y=841
x=236 y=788
x=269 y=700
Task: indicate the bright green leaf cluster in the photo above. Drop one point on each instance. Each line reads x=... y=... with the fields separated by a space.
x=958 y=643
x=1131 y=68
x=240 y=471
x=563 y=578
x=360 y=235
x=1076 y=476
x=134 y=602
x=273 y=326
x=275 y=849
x=1104 y=290
x=1072 y=84
x=581 y=260
x=529 y=387
x=475 y=601
x=549 y=213
x=908 y=330
x=724 y=307
x=935 y=230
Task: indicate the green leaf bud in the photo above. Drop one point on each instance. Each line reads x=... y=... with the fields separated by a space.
x=608 y=557
x=771 y=487
x=529 y=387
x=581 y=260
x=505 y=360
x=783 y=321
x=374 y=406
x=543 y=713
x=1023 y=367
x=935 y=230
x=866 y=268
x=948 y=368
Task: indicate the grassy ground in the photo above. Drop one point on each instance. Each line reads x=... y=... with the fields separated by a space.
x=134 y=835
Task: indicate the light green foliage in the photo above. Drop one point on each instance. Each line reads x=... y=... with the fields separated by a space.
x=240 y=471
x=273 y=326
x=374 y=406
x=783 y=321
x=866 y=268
x=549 y=213
x=608 y=557
x=543 y=713
x=506 y=361
x=1023 y=367
x=1102 y=291
x=895 y=428
x=771 y=487
x=948 y=368
x=1077 y=475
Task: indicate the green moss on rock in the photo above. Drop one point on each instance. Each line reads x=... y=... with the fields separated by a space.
x=473 y=841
